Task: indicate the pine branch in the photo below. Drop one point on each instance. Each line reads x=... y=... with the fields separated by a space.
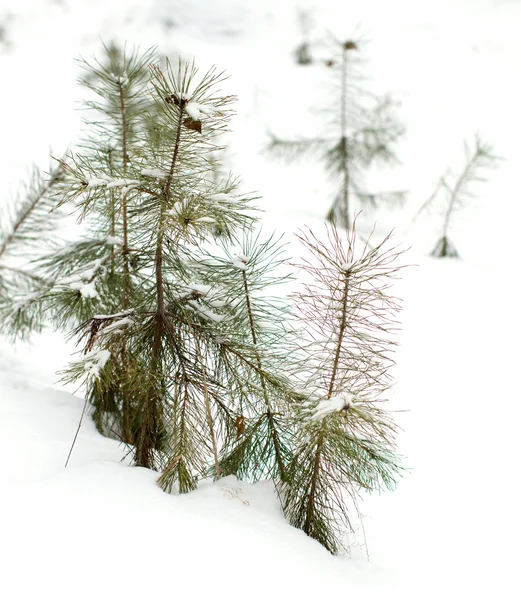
x=32 y=214
x=218 y=471
x=247 y=342
x=294 y=150
x=269 y=413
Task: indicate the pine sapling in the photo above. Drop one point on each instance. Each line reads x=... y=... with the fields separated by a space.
x=345 y=441
x=360 y=130
x=459 y=190
x=190 y=355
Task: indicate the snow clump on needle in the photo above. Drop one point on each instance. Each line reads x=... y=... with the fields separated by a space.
x=331 y=405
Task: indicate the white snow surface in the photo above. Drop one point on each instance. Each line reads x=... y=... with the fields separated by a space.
x=102 y=529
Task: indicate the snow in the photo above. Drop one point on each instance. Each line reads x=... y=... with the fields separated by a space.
x=95 y=182
x=221 y=197
x=331 y=405
x=218 y=303
x=201 y=108
x=87 y=284
x=206 y=312
x=116 y=326
x=114 y=241
x=452 y=528
x=200 y=288
x=87 y=290
x=123 y=313
x=193 y=111
x=177 y=209
x=240 y=262
x=122 y=183
x=156 y=173
x=93 y=361
x=78 y=520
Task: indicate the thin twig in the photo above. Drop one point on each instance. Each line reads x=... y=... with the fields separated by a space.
x=77 y=431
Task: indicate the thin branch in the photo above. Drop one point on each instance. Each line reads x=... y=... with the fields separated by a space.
x=77 y=431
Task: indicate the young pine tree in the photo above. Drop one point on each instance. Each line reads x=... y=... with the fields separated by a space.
x=173 y=337
x=359 y=130
x=345 y=439
x=459 y=190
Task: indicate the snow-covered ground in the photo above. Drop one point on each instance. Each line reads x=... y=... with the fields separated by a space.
x=100 y=529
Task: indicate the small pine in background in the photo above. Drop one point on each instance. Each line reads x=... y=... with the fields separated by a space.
x=459 y=190
x=455 y=191
x=360 y=129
